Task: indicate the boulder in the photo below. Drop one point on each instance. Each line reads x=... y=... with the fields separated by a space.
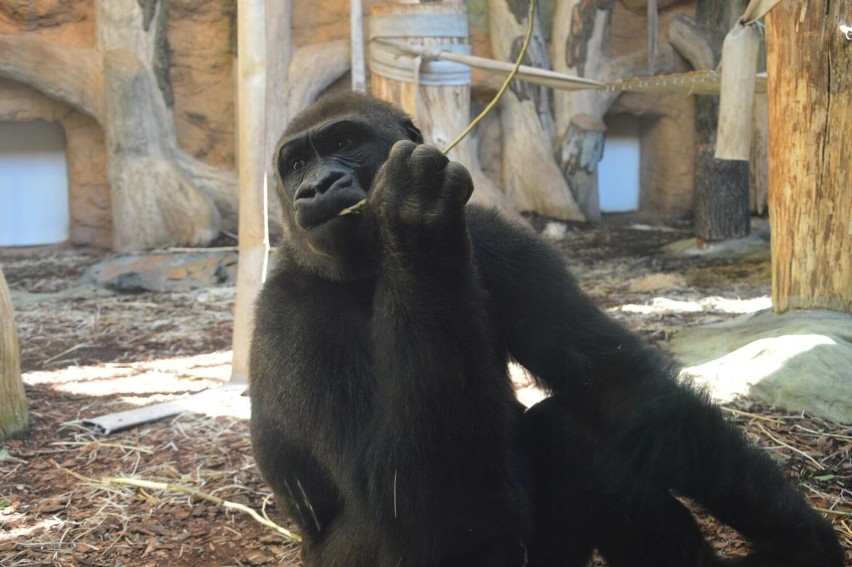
x=798 y=361
x=164 y=271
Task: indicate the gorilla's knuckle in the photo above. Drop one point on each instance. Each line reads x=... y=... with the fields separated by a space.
x=402 y=148
x=459 y=178
x=429 y=157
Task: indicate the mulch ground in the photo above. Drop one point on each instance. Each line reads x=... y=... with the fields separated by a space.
x=63 y=493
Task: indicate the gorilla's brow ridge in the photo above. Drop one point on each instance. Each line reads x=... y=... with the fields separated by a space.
x=321 y=128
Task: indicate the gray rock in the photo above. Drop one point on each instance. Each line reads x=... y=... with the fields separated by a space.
x=799 y=361
x=164 y=271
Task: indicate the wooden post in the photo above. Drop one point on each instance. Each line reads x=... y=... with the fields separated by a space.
x=721 y=187
x=810 y=149
x=13 y=402
x=254 y=235
x=359 y=72
x=441 y=111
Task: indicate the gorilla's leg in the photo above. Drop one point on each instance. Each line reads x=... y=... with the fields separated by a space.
x=580 y=504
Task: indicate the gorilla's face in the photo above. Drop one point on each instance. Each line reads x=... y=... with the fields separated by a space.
x=326 y=162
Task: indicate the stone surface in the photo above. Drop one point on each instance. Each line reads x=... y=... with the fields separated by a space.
x=85 y=155
x=754 y=247
x=202 y=38
x=90 y=199
x=202 y=74
x=164 y=271
x=70 y=22
x=799 y=361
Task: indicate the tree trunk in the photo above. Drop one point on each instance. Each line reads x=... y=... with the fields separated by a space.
x=13 y=402
x=441 y=111
x=532 y=180
x=810 y=120
x=721 y=186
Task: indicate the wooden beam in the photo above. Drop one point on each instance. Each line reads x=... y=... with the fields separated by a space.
x=253 y=229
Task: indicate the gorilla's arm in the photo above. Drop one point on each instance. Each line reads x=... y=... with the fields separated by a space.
x=653 y=431
x=439 y=450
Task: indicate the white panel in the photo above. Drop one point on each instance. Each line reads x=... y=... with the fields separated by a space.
x=618 y=171
x=33 y=184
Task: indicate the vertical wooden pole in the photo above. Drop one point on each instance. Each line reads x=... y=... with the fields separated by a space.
x=13 y=402
x=809 y=62
x=254 y=236
x=359 y=73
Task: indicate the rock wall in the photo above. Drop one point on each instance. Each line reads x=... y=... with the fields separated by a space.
x=85 y=156
x=69 y=22
x=202 y=45
x=202 y=39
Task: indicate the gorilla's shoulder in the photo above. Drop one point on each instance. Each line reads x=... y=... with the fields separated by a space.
x=490 y=221
x=491 y=229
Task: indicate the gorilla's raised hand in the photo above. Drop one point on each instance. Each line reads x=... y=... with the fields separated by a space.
x=419 y=190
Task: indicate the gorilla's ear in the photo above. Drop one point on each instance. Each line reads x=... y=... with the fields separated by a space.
x=413 y=132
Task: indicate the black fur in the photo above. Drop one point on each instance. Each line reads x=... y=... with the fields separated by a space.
x=383 y=416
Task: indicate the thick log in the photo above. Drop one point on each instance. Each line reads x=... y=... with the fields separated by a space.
x=810 y=118
x=13 y=403
x=740 y=52
x=317 y=66
x=532 y=179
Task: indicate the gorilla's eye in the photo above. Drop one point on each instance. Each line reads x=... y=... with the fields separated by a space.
x=297 y=164
x=344 y=143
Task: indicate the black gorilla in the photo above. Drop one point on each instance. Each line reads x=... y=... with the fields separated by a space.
x=383 y=416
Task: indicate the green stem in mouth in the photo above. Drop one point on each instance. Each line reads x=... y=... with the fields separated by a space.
x=354 y=209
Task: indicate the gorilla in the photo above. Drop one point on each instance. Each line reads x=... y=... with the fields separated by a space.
x=382 y=414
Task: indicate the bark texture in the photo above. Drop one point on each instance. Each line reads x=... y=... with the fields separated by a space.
x=532 y=180
x=810 y=117
x=13 y=403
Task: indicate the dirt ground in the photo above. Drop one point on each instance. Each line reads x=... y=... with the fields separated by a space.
x=86 y=354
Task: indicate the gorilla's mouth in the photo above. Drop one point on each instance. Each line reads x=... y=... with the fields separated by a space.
x=317 y=209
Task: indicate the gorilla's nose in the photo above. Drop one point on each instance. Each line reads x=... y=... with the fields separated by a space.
x=322 y=184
